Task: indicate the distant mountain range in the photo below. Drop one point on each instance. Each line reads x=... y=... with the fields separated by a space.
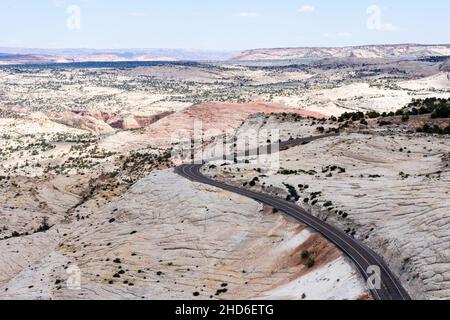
x=32 y=56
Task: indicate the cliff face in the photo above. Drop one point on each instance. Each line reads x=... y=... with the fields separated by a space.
x=156 y=242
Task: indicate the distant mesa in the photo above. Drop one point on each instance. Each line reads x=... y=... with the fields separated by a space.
x=367 y=52
x=6 y=59
x=42 y=56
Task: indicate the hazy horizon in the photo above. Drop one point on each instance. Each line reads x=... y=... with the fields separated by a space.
x=57 y=49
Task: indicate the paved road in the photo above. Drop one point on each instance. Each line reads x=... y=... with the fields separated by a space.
x=272 y=148
x=361 y=255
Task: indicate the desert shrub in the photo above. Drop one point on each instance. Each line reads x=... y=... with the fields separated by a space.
x=44 y=225
x=253 y=182
x=426 y=128
x=328 y=204
x=293 y=194
x=287 y=172
x=310 y=263
x=114 y=174
x=373 y=114
x=438 y=108
x=382 y=123
x=305 y=254
x=354 y=116
x=441 y=111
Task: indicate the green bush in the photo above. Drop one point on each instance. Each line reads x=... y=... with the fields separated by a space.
x=382 y=123
x=328 y=204
x=373 y=114
x=305 y=254
x=438 y=108
x=310 y=263
x=426 y=128
x=442 y=111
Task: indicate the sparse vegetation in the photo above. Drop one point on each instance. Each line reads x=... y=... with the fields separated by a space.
x=437 y=108
x=44 y=225
x=310 y=263
x=305 y=254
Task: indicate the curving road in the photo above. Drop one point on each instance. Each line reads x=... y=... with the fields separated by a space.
x=363 y=257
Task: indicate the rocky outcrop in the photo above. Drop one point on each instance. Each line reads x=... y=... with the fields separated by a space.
x=103 y=122
x=88 y=123
x=157 y=242
x=213 y=119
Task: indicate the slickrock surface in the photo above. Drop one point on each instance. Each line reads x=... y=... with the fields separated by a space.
x=161 y=242
x=390 y=191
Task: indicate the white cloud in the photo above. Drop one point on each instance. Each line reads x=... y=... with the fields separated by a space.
x=247 y=14
x=307 y=8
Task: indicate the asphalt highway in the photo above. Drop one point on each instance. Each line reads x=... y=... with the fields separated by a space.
x=363 y=257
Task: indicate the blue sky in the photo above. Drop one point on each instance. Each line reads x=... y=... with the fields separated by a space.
x=220 y=24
